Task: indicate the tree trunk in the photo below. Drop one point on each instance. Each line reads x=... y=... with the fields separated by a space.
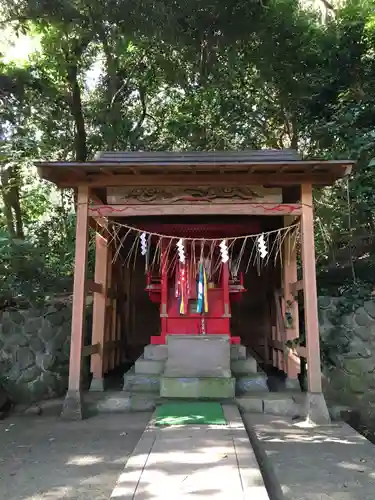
x=10 y=191
x=80 y=142
x=113 y=90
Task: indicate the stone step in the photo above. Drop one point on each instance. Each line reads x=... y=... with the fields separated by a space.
x=253 y=382
x=135 y=382
x=145 y=401
x=197 y=387
x=149 y=366
x=237 y=351
x=120 y=402
x=159 y=352
x=244 y=366
x=155 y=352
x=271 y=403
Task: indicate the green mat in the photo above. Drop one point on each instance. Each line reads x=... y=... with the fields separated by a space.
x=190 y=413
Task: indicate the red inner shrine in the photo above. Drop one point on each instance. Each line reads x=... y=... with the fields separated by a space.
x=224 y=283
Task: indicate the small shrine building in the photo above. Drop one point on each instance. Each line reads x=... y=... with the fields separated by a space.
x=195 y=243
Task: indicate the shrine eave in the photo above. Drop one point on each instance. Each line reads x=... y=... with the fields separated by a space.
x=267 y=167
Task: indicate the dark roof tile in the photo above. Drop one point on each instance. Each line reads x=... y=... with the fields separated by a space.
x=197 y=157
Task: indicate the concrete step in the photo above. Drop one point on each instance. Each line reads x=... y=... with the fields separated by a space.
x=237 y=351
x=135 y=382
x=155 y=352
x=159 y=352
x=244 y=366
x=271 y=403
x=197 y=387
x=144 y=401
x=149 y=366
x=253 y=382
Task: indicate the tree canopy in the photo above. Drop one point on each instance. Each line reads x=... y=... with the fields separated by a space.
x=170 y=75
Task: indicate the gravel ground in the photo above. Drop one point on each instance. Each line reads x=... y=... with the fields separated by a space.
x=46 y=458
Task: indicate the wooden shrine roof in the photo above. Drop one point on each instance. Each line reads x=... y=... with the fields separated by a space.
x=266 y=166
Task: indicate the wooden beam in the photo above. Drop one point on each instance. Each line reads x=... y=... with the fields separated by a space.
x=314 y=376
x=114 y=313
x=79 y=292
x=95 y=222
x=277 y=209
x=93 y=287
x=295 y=287
x=280 y=331
x=276 y=344
x=108 y=312
x=95 y=198
x=289 y=303
x=301 y=351
x=98 y=221
x=89 y=350
x=198 y=179
x=99 y=287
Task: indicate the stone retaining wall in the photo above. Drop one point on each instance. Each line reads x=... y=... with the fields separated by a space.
x=351 y=380
x=34 y=352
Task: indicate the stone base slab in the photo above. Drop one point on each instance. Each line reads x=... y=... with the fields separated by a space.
x=282 y=404
x=237 y=351
x=160 y=353
x=292 y=384
x=149 y=366
x=124 y=402
x=315 y=409
x=73 y=406
x=252 y=383
x=155 y=352
x=198 y=356
x=134 y=382
x=97 y=385
x=197 y=387
x=244 y=366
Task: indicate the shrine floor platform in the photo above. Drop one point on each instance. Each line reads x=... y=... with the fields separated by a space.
x=193 y=461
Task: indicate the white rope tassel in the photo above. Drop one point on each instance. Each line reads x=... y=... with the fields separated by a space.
x=181 y=251
x=143 y=244
x=262 y=247
x=224 y=251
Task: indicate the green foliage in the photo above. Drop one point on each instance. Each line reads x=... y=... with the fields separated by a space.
x=180 y=76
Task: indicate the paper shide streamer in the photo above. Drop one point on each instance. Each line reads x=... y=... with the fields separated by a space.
x=245 y=250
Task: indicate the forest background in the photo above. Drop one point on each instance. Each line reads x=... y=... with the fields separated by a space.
x=80 y=76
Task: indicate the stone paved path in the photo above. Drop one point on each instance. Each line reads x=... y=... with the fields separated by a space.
x=45 y=458
x=193 y=462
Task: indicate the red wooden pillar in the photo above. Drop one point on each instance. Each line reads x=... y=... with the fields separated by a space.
x=72 y=408
x=316 y=406
x=99 y=311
